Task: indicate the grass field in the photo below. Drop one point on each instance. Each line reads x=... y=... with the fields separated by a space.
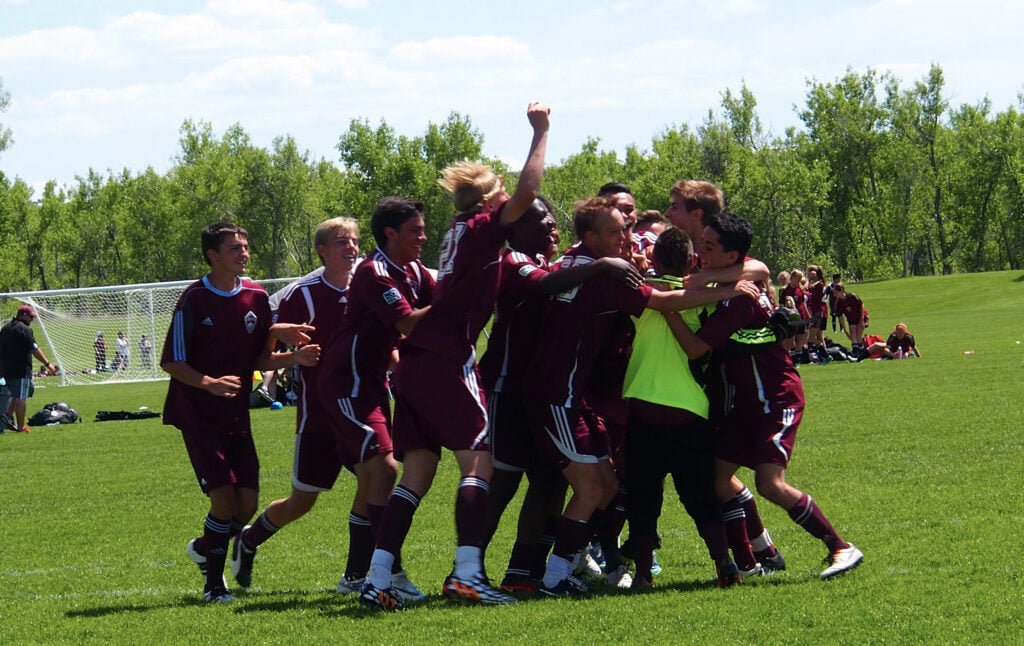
x=918 y=462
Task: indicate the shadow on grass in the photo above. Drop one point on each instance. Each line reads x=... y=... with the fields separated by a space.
x=1019 y=279
x=330 y=604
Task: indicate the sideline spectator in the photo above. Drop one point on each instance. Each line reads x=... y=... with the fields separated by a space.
x=146 y=352
x=851 y=312
x=17 y=347
x=99 y=348
x=899 y=345
x=121 y=358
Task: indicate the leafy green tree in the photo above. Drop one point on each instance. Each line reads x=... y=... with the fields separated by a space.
x=5 y=133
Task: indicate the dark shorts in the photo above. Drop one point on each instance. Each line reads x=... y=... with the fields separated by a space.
x=563 y=435
x=219 y=459
x=614 y=415
x=748 y=436
x=21 y=388
x=816 y=319
x=361 y=427
x=439 y=404
x=509 y=433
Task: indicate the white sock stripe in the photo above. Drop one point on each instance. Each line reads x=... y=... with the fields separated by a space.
x=744 y=495
x=733 y=514
x=216 y=526
x=356 y=519
x=473 y=481
x=407 y=495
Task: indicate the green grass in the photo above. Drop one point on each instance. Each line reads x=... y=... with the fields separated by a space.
x=918 y=462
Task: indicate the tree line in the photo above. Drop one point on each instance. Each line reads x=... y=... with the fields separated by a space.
x=883 y=180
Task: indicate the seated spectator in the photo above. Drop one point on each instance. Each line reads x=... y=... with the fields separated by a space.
x=901 y=344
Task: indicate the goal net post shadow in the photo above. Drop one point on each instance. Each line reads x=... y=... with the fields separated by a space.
x=79 y=328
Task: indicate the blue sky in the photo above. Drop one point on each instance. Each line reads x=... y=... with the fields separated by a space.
x=106 y=84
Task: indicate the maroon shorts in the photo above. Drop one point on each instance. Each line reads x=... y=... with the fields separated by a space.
x=362 y=428
x=219 y=459
x=748 y=436
x=509 y=433
x=614 y=415
x=564 y=435
x=439 y=404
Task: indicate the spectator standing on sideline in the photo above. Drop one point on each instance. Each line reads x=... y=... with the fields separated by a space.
x=121 y=358
x=99 y=348
x=146 y=352
x=17 y=347
x=852 y=315
x=220 y=332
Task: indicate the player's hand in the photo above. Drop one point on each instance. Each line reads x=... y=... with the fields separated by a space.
x=620 y=269
x=695 y=280
x=293 y=334
x=307 y=355
x=746 y=288
x=51 y=369
x=538 y=114
x=227 y=386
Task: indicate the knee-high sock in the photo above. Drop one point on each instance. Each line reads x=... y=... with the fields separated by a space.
x=218 y=534
x=808 y=515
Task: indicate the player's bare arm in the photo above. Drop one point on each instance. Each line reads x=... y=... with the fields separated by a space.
x=409 y=321
x=752 y=269
x=226 y=386
x=307 y=355
x=683 y=299
x=533 y=169
x=293 y=334
x=562 y=280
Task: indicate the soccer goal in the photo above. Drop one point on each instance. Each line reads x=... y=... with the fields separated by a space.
x=106 y=334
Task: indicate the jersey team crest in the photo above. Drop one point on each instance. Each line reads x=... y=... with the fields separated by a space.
x=250 y=321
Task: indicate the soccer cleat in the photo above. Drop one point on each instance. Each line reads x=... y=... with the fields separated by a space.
x=655 y=566
x=24 y=429
x=620 y=577
x=587 y=566
x=197 y=558
x=757 y=570
x=729 y=575
x=379 y=599
x=570 y=586
x=218 y=595
x=597 y=553
x=842 y=561
x=519 y=585
x=406 y=589
x=241 y=560
x=641 y=583
x=348 y=585
x=476 y=589
x=773 y=563
x=264 y=394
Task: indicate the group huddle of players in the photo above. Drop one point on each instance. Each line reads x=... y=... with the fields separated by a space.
x=636 y=355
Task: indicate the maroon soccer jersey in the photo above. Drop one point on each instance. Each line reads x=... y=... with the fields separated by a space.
x=761 y=377
x=516 y=323
x=467 y=286
x=578 y=324
x=799 y=297
x=851 y=307
x=218 y=334
x=357 y=357
x=816 y=299
x=320 y=304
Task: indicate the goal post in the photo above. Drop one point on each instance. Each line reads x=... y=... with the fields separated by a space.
x=112 y=334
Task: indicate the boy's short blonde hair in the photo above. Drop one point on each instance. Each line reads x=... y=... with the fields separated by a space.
x=325 y=230
x=470 y=184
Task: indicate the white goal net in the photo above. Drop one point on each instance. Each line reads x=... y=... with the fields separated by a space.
x=106 y=334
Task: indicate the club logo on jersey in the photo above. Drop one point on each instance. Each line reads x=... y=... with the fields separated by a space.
x=250 y=322
x=207 y=321
x=392 y=296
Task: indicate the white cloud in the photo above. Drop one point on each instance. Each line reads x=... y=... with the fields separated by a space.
x=465 y=50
